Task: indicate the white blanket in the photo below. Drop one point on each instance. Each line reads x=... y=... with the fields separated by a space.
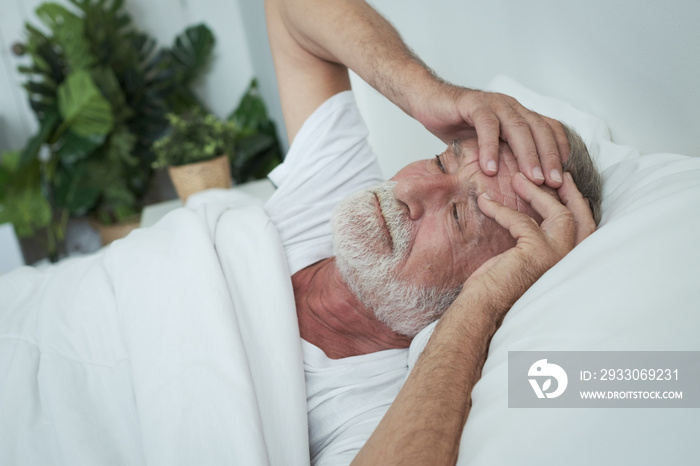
x=177 y=345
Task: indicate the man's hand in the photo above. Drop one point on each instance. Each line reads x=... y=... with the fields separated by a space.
x=504 y=278
x=539 y=143
x=315 y=41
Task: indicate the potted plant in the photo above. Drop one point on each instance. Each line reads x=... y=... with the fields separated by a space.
x=249 y=137
x=100 y=90
x=195 y=152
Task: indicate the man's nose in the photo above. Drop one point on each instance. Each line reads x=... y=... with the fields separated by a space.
x=421 y=194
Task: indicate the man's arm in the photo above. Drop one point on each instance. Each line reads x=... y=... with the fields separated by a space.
x=424 y=424
x=314 y=42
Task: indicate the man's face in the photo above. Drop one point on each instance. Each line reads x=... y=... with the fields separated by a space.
x=423 y=230
x=452 y=237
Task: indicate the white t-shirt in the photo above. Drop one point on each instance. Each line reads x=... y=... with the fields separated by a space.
x=330 y=159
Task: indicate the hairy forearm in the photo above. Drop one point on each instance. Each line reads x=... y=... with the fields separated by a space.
x=352 y=33
x=424 y=424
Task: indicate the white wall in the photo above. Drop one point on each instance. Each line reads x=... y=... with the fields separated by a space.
x=635 y=64
x=16 y=118
x=256 y=31
x=241 y=52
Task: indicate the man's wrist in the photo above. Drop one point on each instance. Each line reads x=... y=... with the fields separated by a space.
x=407 y=83
x=475 y=316
x=426 y=92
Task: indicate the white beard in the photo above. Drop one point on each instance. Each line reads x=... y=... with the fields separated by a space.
x=361 y=252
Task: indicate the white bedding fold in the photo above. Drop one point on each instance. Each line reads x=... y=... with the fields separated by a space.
x=177 y=345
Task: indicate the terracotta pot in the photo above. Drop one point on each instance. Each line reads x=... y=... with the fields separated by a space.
x=109 y=233
x=194 y=177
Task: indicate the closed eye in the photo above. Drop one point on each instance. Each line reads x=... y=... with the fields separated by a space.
x=439 y=164
x=456 y=215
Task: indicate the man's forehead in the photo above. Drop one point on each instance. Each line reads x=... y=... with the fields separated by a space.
x=467 y=151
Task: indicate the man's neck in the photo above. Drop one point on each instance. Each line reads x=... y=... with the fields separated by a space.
x=332 y=318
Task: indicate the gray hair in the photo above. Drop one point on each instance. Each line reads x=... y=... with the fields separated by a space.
x=584 y=172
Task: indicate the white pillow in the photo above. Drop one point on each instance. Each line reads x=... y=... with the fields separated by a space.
x=633 y=285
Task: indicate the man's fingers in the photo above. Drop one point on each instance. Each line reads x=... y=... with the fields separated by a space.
x=517 y=132
x=538 y=247
x=544 y=204
x=559 y=221
x=538 y=143
x=517 y=223
x=488 y=131
x=560 y=136
x=547 y=148
x=579 y=206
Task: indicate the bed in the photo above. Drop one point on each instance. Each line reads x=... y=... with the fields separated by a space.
x=125 y=375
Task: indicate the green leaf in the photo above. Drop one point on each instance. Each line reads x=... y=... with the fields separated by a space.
x=48 y=125
x=48 y=68
x=85 y=112
x=193 y=137
x=74 y=190
x=106 y=80
x=74 y=147
x=251 y=112
x=106 y=28
x=144 y=46
x=120 y=145
x=22 y=201
x=192 y=50
x=116 y=195
x=257 y=148
x=256 y=155
x=248 y=147
x=84 y=5
x=35 y=87
x=69 y=34
x=10 y=160
x=56 y=16
x=5 y=177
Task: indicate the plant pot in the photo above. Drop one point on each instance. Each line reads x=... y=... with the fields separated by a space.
x=194 y=177
x=109 y=233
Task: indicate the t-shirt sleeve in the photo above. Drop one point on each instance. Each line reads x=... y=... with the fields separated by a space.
x=329 y=159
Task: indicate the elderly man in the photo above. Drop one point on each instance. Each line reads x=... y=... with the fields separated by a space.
x=179 y=344
x=453 y=234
